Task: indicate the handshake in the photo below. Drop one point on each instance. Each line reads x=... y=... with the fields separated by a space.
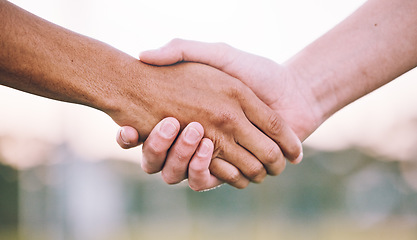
x=209 y=112
x=240 y=136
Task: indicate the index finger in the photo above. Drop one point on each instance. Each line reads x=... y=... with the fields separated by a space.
x=270 y=123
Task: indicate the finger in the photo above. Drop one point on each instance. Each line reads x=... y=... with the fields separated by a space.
x=157 y=144
x=228 y=173
x=270 y=123
x=180 y=154
x=214 y=54
x=127 y=137
x=263 y=148
x=248 y=164
x=260 y=145
x=221 y=56
x=199 y=176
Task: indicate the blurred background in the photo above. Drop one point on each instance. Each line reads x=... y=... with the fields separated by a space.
x=62 y=175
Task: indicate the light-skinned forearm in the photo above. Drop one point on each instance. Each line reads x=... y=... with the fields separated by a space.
x=370 y=48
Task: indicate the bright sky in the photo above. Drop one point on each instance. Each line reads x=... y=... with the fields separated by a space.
x=271 y=28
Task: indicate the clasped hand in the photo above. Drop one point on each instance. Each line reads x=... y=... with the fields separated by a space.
x=249 y=155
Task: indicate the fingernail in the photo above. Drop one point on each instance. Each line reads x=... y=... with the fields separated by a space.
x=168 y=129
x=299 y=159
x=123 y=137
x=192 y=135
x=204 y=150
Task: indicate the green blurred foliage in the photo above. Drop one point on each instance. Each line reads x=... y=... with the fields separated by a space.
x=330 y=195
x=8 y=196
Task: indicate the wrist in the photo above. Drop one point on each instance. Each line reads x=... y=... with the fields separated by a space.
x=314 y=90
x=130 y=98
x=123 y=88
x=115 y=78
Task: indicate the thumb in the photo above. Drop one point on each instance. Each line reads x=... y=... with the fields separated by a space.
x=127 y=137
x=217 y=55
x=166 y=55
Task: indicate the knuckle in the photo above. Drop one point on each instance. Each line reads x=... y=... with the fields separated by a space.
x=279 y=170
x=255 y=171
x=198 y=169
x=175 y=42
x=273 y=154
x=226 y=118
x=228 y=54
x=219 y=143
x=153 y=148
x=147 y=169
x=259 y=178
x=233 y=177
x=242 y=185
x=181 y=156
x=275 y=124
x=169 y=178
x=235 y=92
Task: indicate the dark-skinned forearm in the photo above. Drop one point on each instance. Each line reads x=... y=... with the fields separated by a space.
x=42 y=58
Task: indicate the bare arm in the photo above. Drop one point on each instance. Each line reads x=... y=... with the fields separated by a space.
x=373 y=46
x=44 y=59
x=370 y=48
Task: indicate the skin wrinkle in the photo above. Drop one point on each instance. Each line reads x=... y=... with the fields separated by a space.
x=56 y=63
x=370 y=48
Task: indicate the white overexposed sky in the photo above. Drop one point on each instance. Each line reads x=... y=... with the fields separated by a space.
x=271 y=28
